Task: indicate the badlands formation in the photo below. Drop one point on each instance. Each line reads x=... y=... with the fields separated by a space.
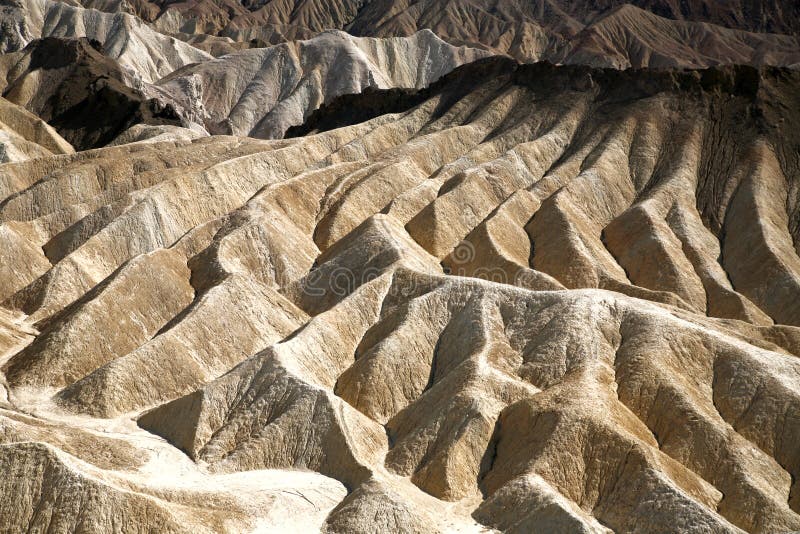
x=263 y=92
x=529 y=298
x=399 y=283
x=92 y=75
x=605 y=33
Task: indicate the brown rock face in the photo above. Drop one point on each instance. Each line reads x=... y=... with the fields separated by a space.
x=529 y=298
x=606 y=33
x=87 y=97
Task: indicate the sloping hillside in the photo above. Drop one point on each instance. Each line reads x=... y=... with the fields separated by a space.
x=529 y=298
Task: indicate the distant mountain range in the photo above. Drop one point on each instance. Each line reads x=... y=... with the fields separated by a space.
x=655 y=33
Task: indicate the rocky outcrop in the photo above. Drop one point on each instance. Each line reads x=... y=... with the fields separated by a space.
x=64 y=494
x=265 y=91
x=91 y=98
x=125 y=38
x=87 y=97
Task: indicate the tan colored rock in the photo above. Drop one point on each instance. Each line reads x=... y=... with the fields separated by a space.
x=528 y=298
x=62 y=494
x=542 y=506
x=63 y=353
x=25 y=136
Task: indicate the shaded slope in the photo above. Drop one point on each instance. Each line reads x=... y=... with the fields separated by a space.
x=87 y=97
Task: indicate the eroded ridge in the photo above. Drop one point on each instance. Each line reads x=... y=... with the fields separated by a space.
x=526 y=298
